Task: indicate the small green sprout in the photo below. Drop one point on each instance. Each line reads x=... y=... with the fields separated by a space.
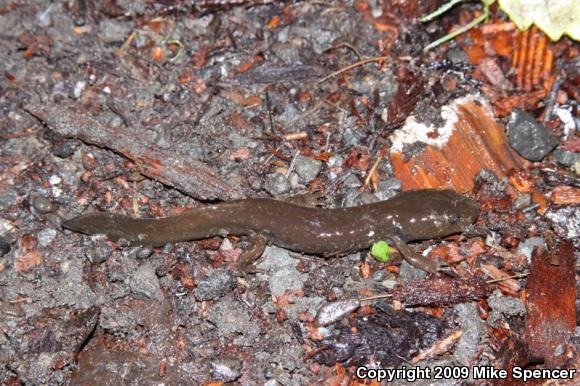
x=380 y=250
x=446 y=7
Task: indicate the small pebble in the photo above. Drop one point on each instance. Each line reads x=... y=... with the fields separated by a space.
x=388 y=189
x=79 y=88
x=144 y=252
x=144 y=282
x=42 y=205
x=226 y=369
x=64 y=149
x=4 y=246
x=8 y=198
x=566 y=158
x=54 y=180
x=365 y=198
x=55 y=220
x=217 y=283
x=226 y=245
x=276 y=184
x=46 y=237
x=307 y=168
x=379 y=275
x=99 y=253
x=352 y=182
x=528 y=137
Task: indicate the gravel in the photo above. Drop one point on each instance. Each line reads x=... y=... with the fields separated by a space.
x=144 y=282
x=528 y=137
x=307 y=168
x=217 y=283
x=473 y=329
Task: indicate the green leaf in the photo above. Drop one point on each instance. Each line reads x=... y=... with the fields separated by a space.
x=554 y=17
x=380 y=250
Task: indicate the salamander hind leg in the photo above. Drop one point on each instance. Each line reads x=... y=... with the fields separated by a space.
x=246 y=260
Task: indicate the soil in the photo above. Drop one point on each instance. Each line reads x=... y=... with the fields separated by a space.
x=150 y=108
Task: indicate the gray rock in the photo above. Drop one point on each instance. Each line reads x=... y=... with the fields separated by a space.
x=114 y=31
x=45 y=237
x=369 y=81
x=226 y=369
x=290 y=357
x=287 y=278
x=144 y=252
x=522 y=201
x=276 y=184
x=144 y=281
x=303 y=304
x=217 y=283
x=7 y=198
x=99 y=252
x=283 y=273
x=117 y=319
x=408 y=272
x=457 y=56
x=352 y=182
x=379 y=275
x=565 y=157
x=348 y=198
x=41 y=367
x=389 y=283
x=528 y=137
x=335 y=160
x=72 y=288
x=364 y=198
x=566 y=220
x=4 y=246
x=42 y=204
x=274 y=258
x=287 y=52
x=388 y=189
x=322 y=40
x=352 y=137
x=232 y=317
x=503 y=307
x=307 y=168
x=473 y=329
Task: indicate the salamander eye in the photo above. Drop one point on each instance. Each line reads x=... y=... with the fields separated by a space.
x=453 y=219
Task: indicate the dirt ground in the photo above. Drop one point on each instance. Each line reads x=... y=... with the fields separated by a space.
x=150 y=108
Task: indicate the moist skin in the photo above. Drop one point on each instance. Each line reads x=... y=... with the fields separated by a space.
x=410 y=216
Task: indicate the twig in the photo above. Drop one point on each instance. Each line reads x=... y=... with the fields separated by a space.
x=375 y=298
x=292 y=164
x=373 y=170
x=518 y=276
x=354 y=65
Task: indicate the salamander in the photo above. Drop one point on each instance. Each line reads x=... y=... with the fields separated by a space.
x=409 y=216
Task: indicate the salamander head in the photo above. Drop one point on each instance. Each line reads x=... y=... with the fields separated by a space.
x=438 y=213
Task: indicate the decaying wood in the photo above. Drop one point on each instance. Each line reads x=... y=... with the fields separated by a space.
x=164 y=165
x=551 y=305
x=477 y=142
x=440 y=292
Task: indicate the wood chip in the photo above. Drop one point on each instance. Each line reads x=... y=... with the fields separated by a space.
x=470 y=141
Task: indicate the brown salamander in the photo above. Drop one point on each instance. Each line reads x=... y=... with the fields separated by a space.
x=413 y=215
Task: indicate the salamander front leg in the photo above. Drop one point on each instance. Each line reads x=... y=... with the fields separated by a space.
x=246 y=260
x=413 y=258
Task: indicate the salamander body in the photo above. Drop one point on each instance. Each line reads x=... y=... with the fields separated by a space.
x=413 y=215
